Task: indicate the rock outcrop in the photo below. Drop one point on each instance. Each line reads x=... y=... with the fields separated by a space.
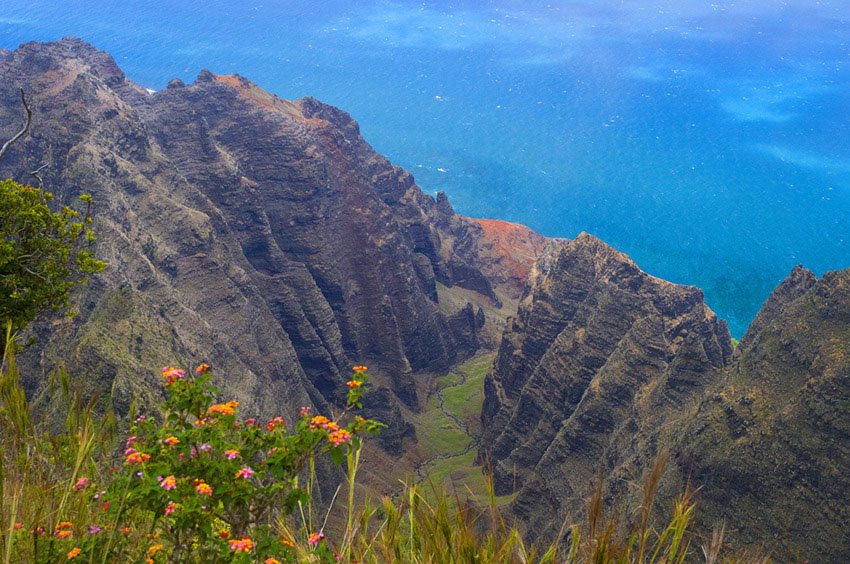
x=261 y=235
x=606 y=368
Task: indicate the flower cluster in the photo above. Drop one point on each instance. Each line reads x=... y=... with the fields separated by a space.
x=244 y=544
x=228 y=408
x=198 y=483
x=172 y=374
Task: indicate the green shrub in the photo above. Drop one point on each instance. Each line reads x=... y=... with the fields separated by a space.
x=43 y=254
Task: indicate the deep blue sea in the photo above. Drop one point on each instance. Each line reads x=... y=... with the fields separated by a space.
x=708 y=140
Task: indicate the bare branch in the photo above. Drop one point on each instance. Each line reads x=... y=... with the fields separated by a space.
x=23 y=131
x=37 y=175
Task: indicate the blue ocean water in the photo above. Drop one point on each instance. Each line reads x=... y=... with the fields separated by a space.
x=709 y=141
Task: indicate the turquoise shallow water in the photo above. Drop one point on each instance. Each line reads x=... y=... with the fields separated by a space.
x=707 y=140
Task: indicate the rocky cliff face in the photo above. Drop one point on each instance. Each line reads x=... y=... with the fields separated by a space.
x=261 y=235
x=605 y=368
x=596 y=347
x=770 y=443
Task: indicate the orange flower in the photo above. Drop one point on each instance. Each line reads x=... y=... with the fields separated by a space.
x=271 y=561
x=63 y=530
x=203 y=488
x=74 y=552
x=135 y=457
x=201 y=368
x=241 y=545
x=359 y=368
x=319 y=422
x=231 y=453
x=353 y=384
x=171 y=441
x=154 y=549
x=19 y=526
x=339 y=437
x=224 y=408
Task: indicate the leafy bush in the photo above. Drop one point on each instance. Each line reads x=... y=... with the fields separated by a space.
x=43 y=254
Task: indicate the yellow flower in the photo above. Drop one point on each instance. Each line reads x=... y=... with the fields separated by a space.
x=319 y=422
x=154 y=549
x=203 y=488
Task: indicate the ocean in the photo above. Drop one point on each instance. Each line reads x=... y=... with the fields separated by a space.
x=709 y=141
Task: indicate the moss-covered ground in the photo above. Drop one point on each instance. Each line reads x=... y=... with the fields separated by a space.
x=448 y=429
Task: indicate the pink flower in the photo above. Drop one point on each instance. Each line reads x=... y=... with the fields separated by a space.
x=171 y=375
x=231 y=453
x=169 y=483
x=170 y=508
x=315 y=538
x=205 y=447
x=131 y=441
x=245 y=472
x=274 y=423
x=94 y=529
x=82 y=483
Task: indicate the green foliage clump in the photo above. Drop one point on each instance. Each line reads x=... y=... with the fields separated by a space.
x=43 y=253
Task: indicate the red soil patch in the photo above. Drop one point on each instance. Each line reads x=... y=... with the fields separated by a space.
x=513 y=247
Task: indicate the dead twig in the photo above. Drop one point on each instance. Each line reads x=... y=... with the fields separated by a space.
x=23 y=131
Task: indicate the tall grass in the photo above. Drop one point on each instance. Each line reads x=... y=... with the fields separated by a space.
x=40 y=465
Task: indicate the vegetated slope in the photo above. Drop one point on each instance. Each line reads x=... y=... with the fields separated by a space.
x=605 y=368
x=261 y=235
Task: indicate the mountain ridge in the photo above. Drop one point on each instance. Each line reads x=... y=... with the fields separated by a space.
x=268 y=235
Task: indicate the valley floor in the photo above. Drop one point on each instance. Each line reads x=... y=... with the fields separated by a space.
x=449 y=428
